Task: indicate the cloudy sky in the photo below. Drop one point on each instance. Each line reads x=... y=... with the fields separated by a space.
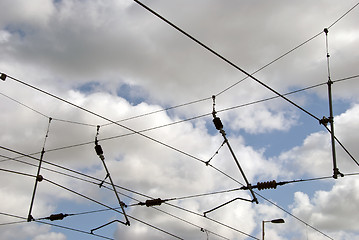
x=109 y=61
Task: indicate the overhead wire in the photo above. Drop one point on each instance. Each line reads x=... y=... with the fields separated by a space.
x=293 y=181
x=196 y=101
x=218 y=192
x=279 y=96
x=58 y=226
x=126 y=189
x=204 y=115
x=44 y=115
x=95 y=201
x=223 y=58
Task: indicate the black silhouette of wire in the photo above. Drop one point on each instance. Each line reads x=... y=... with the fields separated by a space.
x=140 y=194
x=208 y=114
x=224 y=59
x=212 y=193
x=346 y=13
x=92 y=200
x=56 y=225
x=161 y=110
x=335 y=80
x=44 y=115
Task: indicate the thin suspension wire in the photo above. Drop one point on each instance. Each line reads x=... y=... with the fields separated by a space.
x=301 y=180
x=59 y=226
x=293 y=181
x=270 y=63
x=93 y=200
x=203 y=115
x=143 y=195
x=44 y=115
x=292 y=215
x=105 y=118
x=293 y=49
x=113 y=209
x=224 y=59
x=158 y=111
x=346 y=13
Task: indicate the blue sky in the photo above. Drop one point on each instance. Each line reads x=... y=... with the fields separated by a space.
x=121 y=63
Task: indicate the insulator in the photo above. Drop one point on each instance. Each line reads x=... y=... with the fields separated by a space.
x=58 y=216
x=3 y=76
x=217 y=123
x=266 y=185
x=98 y=149
x=154 y=202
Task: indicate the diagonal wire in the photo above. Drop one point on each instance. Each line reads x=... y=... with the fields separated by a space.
x=59 y=226
x=224 y=59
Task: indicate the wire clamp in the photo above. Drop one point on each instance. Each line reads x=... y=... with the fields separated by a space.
x=3 y=76
x=325 y=121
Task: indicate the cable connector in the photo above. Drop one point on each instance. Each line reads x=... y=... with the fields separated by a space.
x=152 y=202
x=3 y=76
x=325 y=121
x=267 y=185
x=58 y=216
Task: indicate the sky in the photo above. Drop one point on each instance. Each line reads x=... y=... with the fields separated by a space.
x=73 y=65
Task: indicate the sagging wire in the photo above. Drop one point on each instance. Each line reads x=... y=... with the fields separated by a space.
x=39 y=177
x=330 y=120
x=99 y=152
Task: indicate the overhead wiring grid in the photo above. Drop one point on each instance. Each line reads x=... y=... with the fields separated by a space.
x=161 y=143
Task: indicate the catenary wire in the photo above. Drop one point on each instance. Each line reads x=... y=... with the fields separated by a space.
x=59 y=226
x=200 y=100
x=183 y=209
x=44 y=115
x=95 y=201
x=301 y=180
x=346 y=13
x=290 y=51
x=105 y=118
x=346 y=78
x=204 y=115
x=231 y=63
x=224 y=59
x=82 y=174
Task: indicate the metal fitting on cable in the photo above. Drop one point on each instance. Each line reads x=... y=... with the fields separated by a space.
x=98 y=147
x=58 y=216
x=3 y=76
x=216 y=120
x=267 y=185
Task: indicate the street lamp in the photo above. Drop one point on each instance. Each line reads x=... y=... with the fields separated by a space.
x=280 y=220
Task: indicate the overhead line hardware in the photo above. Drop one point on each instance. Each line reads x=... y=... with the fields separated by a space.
x=99 y=152
x=330 y=120
x=39 y=177
x=219 y=126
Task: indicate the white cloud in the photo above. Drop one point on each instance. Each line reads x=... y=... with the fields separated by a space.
x=64 y=45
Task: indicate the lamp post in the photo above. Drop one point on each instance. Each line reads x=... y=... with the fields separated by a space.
x=280 y=220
